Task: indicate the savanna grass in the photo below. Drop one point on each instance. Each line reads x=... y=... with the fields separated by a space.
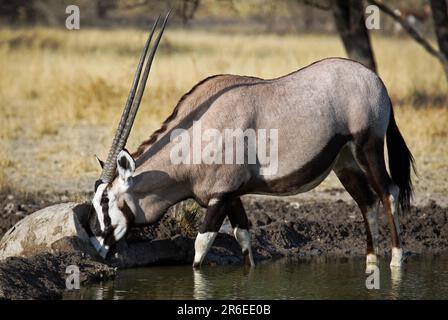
x=62 y=93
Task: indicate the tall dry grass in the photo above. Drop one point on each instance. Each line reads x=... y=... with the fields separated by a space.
x=62 y=92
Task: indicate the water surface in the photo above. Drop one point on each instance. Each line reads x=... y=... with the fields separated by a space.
x=319 y=278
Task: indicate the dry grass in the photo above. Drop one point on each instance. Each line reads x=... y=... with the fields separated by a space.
x=188 y=215
x=61 y=93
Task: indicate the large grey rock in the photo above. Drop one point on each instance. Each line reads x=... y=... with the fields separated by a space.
x=37 y=232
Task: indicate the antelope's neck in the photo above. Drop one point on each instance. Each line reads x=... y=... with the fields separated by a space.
x=157 y=185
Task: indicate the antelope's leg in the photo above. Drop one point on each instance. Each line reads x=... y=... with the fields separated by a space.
x=208 y=230
x=356 y=182
x=371 y=220
x=371 y=157
x=391 y=208
x=240 y=224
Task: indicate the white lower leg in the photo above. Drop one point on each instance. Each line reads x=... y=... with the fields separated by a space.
x=202 y=245
x=371 y=259
x=397 y=257
x=372 y=220
x=243 y=238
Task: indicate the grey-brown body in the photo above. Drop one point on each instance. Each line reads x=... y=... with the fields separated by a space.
x=331 y=115
x=316 y=110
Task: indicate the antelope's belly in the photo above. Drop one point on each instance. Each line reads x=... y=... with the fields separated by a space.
x=297 y=174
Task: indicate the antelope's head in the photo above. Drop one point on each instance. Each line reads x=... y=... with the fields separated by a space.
x=112 y=216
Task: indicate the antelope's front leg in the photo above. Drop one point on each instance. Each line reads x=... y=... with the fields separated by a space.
x=208 y=230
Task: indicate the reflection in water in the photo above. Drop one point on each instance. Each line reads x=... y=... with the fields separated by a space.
x=205 y=285
x=420 y=278
x=395 y=277
x=98 y=293
x=201 y=285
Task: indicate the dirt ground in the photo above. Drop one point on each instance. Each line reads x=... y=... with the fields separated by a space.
x=293 y=225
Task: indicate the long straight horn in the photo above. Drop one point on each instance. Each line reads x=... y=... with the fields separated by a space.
x=108 y=171
x=141 y=88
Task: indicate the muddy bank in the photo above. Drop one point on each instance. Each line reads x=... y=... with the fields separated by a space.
x=337 y=228
x=279 y=228
x=43 y=276
x=313 y=228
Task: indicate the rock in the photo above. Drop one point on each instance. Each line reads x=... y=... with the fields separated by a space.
x=38 y=231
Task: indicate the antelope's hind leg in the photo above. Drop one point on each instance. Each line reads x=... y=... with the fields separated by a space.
x=214 y=217
x=356 y=182
x=240 y=224
x=370 y=156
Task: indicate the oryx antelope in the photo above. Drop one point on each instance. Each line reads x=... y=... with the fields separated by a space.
x=331 y=115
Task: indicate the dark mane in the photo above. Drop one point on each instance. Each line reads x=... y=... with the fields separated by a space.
x=153 y=138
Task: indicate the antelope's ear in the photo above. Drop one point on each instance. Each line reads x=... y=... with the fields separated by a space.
x=125 y=165
x=99 y=161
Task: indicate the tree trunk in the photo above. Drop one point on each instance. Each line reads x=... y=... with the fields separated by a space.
x=350 y=23
x=309 y=18
x=189 y=8
x=440 y=16
x=103 y=7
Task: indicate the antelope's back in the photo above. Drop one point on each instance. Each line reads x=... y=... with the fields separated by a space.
x=314 y=110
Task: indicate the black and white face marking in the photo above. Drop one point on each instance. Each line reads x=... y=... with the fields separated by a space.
x=101 y=205
x=112 y=217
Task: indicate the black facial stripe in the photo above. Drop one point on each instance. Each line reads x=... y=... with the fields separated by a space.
x=104 y=197
x=105 y=208
x=104 y=202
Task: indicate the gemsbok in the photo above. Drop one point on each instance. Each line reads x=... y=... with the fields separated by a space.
x=331 y=115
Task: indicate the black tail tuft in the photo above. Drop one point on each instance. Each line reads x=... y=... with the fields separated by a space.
x=400 y=163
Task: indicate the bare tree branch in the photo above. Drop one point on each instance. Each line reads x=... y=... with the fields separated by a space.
x=317 y=5
x=395 y=14
x=189 y=8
